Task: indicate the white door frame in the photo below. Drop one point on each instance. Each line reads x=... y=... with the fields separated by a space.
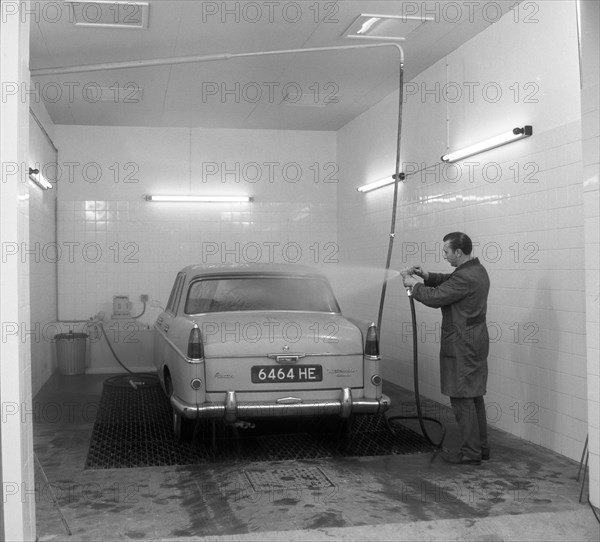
x=16 y=442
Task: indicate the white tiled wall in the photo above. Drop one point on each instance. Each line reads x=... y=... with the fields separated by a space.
x=116 y=243
x=522 y=204
x=41 y=255
x=135 y=247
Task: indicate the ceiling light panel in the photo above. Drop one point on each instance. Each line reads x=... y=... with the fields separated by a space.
x=109 y=14
x=384 y=27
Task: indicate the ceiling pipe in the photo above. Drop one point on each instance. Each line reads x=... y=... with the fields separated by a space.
x=128 y=64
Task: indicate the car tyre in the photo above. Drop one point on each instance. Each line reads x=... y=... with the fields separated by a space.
x=345 y=431
x=183 y=429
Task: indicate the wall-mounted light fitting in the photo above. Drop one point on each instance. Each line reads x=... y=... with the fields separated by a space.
x=200 y=199
x=381 y=182
x=502 y=139
x=39 y=179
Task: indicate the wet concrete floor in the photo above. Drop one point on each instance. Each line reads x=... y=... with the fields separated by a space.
x=523 y=492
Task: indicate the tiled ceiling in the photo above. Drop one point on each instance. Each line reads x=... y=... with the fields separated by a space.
x=308 y=91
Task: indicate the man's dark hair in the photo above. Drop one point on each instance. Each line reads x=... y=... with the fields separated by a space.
x=458 y=239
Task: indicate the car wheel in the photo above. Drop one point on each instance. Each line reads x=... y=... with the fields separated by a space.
x=183 y=429
x=345 y=432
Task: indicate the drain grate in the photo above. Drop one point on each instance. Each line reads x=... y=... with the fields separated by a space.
x=133 y=429
x=300 y=477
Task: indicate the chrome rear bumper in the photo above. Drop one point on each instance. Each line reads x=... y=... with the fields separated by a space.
x=232 y=410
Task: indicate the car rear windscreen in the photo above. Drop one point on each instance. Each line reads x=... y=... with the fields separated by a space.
x=260 y=293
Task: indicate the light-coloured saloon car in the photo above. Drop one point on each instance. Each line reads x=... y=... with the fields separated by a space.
x=243 y=342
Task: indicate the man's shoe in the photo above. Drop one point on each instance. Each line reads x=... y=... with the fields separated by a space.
x=458 y=458
x=485 y=453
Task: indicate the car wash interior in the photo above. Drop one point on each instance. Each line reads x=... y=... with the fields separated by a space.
x=139 y=137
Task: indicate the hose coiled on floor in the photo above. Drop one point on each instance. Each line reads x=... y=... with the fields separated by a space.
x=419 y=415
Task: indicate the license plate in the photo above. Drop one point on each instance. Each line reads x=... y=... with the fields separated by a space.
x=265 y=374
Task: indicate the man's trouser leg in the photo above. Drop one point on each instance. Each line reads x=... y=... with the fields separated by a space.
x=481 y=421
x=468 y=423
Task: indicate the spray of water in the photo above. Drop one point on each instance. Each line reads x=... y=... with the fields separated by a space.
x=358 y=283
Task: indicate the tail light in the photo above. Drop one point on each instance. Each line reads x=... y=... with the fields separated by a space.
x=372 y=342
x=195 y=348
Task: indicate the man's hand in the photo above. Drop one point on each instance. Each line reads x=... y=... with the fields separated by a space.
x=418 y=270
x=406 y=271
x=408 y=281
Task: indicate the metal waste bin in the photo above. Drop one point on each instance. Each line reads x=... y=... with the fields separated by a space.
x=71 y=352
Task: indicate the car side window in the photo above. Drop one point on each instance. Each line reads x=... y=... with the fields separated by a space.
x=175 y=294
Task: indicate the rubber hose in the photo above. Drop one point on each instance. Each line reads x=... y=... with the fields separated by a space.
x=419 y=415
x=141 y=313
x=148 y=375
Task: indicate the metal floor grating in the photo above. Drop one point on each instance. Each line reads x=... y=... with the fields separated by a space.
x=133 y=429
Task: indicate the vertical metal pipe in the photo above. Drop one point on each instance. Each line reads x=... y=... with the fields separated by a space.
x=395 y=200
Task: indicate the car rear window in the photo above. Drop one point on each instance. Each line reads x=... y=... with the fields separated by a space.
x=260 y=293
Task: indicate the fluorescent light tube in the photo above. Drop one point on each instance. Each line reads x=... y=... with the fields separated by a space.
x=39 y=179
x=200 y=199
x=502 y=139
x=367 y=25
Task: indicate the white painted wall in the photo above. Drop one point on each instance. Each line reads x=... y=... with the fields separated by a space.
x=16 y=441
x=590 y=113
x=522 y=204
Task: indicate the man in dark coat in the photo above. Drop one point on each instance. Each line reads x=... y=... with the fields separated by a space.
x=462 y=296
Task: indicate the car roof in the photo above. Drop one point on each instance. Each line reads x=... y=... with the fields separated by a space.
x=270 y=268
